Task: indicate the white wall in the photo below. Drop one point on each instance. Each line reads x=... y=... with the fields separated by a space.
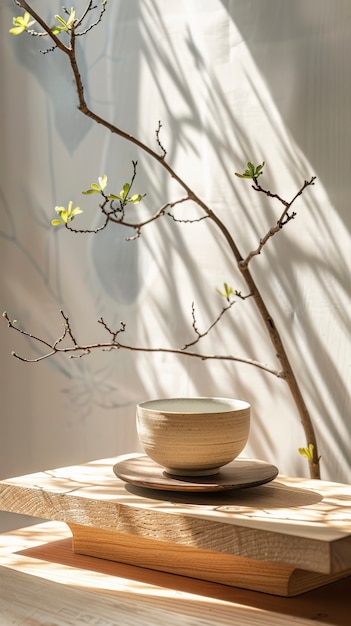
x=230 y=81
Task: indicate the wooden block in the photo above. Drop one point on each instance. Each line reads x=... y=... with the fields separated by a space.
x=284 y=537
x=273 y=578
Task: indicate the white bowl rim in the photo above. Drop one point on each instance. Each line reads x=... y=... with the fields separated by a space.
x=215 y=405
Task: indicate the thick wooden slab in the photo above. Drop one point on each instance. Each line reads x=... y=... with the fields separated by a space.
x=283 y=538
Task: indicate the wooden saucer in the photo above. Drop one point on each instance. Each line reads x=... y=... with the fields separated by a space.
x=142 y=471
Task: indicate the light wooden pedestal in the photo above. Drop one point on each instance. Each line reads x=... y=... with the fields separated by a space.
x=282 y=538
x=42 y=581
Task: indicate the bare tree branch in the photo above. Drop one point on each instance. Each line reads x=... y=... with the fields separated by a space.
x=76 y=350
x=242 y=264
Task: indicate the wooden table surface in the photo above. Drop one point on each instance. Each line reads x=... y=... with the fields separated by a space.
x=282 y=538
x=43 y=582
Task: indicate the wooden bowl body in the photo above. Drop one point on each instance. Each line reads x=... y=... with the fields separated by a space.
x=193 y=436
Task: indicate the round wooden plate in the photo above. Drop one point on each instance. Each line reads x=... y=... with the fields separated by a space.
x=142 y=471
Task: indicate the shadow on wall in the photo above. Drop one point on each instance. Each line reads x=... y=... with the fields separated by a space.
x=177 y=246
x=211 y=114
x=307 y=46
x=302 y=52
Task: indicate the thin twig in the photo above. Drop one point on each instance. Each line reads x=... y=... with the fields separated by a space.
x=200 y=335
x=159 y=143
x=137 y=226
x=188 y=221
x=284 y=218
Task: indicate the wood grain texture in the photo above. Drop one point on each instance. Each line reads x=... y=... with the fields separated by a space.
x=26 y=599
x=44 y=553
x=273 y=578
x=290 y=524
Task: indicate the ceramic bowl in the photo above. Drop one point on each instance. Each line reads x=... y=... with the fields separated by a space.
x=193 y=436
